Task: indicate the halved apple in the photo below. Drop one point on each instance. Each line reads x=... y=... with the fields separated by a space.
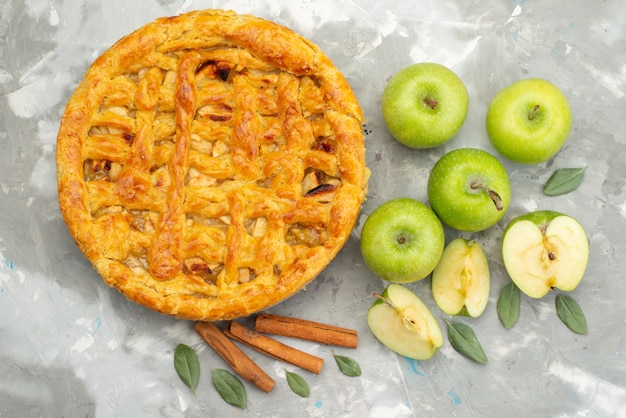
x=403 y=323
x=545 y=250
x=461 y=281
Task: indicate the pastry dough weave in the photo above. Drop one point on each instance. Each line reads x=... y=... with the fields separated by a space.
x=211 y=164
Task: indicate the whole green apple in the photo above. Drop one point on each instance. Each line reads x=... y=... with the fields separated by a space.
x=469 y=189
x=545 y=250
x=424 y=105
x=402 y=240
x=529 y=121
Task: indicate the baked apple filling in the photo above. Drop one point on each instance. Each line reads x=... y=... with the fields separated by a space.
x=319 y=185
x=312 y=235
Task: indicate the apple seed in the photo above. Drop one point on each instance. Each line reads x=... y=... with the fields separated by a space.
x=550 y=253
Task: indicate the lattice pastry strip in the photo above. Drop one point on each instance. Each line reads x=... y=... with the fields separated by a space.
x=211 y=164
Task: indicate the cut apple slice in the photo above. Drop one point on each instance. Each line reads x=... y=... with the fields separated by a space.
x=461 y=280
x=545 y=250
x=403 y=323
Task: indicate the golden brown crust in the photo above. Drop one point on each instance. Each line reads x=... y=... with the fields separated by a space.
x=211 y=164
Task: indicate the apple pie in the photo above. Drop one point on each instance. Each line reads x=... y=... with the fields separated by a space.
x=211 y=164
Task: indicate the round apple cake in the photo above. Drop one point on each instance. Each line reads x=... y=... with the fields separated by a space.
x=211 y=164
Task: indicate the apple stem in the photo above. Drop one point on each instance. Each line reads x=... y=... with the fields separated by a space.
x=388 y=302
x=430 y=102
x=384 y=299
x=495 y=197
x=533 y=112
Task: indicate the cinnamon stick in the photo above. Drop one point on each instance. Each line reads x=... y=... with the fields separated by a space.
x=273 y=348
x=306 y=330
x=237 y=359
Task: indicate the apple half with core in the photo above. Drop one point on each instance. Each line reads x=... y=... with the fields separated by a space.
x=404 y=324
x=424 y=105
x=529 y=121
x=402 y=240
x=461 y=280
x=545 y=250
x=469 y=189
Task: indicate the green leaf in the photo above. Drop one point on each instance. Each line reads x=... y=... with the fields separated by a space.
x=508 y=305
x=464 y=341
x=229 y=387
x=298 y=384
x=187 y=366
x=564 y=181
x=348 y=366
x=571 y=314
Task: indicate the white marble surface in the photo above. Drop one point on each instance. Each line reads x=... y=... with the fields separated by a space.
x=72 y=347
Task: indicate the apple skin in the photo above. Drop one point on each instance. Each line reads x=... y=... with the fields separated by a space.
x=402 y=240
x=419 y=123
x=522 y=138
x=404 y=324
x=452 y=195
x=461 y=281
x=545 y=250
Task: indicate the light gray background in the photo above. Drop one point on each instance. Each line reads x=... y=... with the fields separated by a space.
x=70 y=346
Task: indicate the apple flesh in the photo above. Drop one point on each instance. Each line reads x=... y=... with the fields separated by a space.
x=424 y=105
x=469 y=189
x=461 y=280
x=529 y=121
x=545 y=250
x=402 y=240
x=403 y=323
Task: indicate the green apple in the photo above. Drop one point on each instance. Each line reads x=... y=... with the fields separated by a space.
x=403 y=323
x=461 y=280
x=545 y=250
x=402 y=240
x=529 y=121
x=424 y=105
x=469 y=189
